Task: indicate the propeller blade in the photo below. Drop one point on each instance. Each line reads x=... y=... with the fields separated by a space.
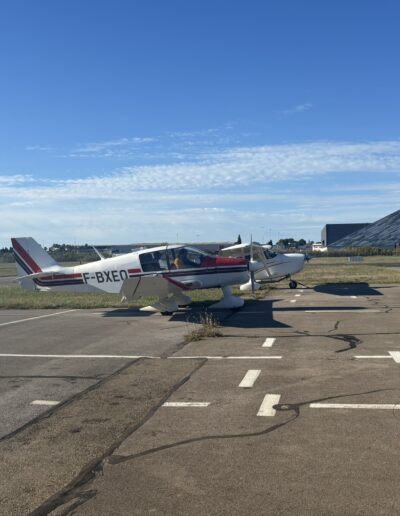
x=253 y=289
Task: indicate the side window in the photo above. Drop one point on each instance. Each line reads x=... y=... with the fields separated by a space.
x=155 y=261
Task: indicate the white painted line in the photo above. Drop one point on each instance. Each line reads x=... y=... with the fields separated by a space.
x=266 y=407
x=249 y=378
x=297 y=295
x=293 y=300
x=45 y=402
x=301 y=291
x=372 y=356
x=230 y=358
x=350 y=311
x=269 y=342
x=37 y=317
x=395 y=355
x=186 y=404
x=17 y=355
x=387 y=406
x=353 y=297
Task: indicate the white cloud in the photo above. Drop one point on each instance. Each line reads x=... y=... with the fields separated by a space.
x=42 y=148
x=232 y=191
x=299 y=108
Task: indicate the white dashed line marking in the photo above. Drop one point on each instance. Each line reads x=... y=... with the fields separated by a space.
x=186 y=404
x=266 y=408
x=376 y=406
x=45 y=402
x=395 y=355
x=297 y=295
x=37 y=317
x=249 y=378
x=293 y=300
x=269 y=342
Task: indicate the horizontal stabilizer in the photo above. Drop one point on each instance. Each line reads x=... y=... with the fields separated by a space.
x=53 y=273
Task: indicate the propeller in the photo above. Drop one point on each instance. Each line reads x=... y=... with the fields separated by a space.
x=251 y=266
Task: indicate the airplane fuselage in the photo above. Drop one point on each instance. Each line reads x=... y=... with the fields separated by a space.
x=109 y=274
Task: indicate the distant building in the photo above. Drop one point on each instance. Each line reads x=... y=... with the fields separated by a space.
x=331 y=233
x=318 y=247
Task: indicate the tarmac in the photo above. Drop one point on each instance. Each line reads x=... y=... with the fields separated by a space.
x=295 y=409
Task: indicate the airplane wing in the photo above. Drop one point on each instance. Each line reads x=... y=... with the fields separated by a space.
x=240 y=250
x=154 y=285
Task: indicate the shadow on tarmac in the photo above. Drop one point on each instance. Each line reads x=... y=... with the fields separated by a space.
x=348 y=289
x=254 y=314
x=126 y=312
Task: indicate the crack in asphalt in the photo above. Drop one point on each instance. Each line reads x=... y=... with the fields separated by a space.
x=286 y=407
x=71 y=492
x=351 y=340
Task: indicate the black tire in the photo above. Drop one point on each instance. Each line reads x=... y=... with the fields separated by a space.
x=293 y=284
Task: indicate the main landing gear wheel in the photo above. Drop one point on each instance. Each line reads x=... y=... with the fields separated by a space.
x=292 y=284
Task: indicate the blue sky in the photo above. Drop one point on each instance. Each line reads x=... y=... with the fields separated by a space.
x=173 y=120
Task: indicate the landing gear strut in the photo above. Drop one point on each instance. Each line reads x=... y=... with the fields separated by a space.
x=292 y=284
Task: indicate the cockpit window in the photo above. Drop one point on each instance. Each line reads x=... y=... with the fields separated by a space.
x=269 y=254
x=186 y=258
x=175 y=258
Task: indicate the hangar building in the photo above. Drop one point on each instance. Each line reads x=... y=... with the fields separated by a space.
x=384 y=233
x=333 y=232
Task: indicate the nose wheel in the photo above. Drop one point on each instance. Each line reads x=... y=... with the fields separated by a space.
x=292 y=284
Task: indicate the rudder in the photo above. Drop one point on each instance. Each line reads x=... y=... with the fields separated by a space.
x=30 y=257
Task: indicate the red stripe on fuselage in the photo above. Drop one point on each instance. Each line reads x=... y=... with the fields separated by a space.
x=25 y=256
x=134 y=271
x=61 y=276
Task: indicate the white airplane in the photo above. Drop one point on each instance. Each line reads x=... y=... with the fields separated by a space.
x=266 y=266
x=166 y=272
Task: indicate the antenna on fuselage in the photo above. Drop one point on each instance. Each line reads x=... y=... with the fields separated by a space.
x=98 y=253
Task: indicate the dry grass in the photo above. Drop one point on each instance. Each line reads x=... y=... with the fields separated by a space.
x=7 y=269
x=209 y=327
x=338 y=270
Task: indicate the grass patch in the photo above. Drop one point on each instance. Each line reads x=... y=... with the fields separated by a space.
x=16 y=297
x=7 y=269
x=209 y=327
x=338 y=270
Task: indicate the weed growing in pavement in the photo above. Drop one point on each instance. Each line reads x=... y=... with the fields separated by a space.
x=209 y=327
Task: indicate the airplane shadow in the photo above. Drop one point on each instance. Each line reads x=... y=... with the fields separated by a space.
x=348 y=289
x=126 y=312
x=255 y=314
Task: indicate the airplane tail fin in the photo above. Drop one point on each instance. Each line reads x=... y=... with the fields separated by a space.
x=30 y=257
